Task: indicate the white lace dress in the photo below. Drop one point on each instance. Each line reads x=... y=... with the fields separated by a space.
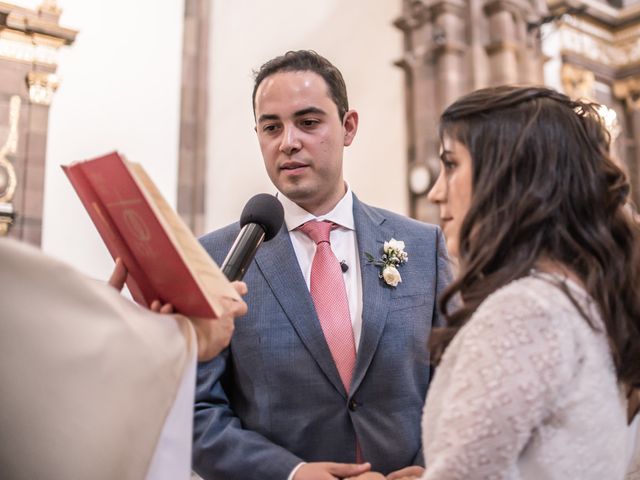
x=527 y=390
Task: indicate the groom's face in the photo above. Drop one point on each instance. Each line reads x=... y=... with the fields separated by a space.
x=302 y=138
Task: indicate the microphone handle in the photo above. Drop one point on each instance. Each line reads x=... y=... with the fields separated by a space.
x=242 y=251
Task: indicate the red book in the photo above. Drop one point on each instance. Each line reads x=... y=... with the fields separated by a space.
x=165 y=261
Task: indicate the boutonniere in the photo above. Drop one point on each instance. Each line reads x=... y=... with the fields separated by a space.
x=393 y=255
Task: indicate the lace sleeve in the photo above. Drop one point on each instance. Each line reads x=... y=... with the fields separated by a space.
x=502 y=375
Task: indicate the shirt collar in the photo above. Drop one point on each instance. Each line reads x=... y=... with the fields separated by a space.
x=342 y=213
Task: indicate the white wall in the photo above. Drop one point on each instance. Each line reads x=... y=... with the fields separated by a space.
x=355 y=35
x=33 y=4
x=120 y=91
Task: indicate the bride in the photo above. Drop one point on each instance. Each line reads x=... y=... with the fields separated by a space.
x=539 y=366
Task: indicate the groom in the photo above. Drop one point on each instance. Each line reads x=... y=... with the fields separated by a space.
x=327 y=374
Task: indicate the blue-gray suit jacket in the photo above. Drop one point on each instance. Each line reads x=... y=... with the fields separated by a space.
x=274 y=397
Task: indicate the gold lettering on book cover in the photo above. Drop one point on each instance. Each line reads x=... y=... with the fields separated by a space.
x=136 y=225
x=123 y=207
x=8 y=179
x=140 y=232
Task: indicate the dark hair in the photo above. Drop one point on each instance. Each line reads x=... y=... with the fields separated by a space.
x=302 y=61
x=544 y=186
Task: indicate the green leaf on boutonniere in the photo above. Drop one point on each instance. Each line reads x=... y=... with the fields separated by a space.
x=370 y=257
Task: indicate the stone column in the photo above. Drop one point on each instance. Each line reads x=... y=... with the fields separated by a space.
x=421 y=105
x=435 y=75
x=192 y=162
x=503 y=48
x=448 y=50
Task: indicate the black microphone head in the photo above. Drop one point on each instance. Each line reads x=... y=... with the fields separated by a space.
x=265 y=210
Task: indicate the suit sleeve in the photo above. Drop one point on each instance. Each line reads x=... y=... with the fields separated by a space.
x=444 y=276
x=419 y=458
x=222 y=448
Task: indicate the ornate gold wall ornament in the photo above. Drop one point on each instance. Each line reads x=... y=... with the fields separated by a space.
x=42 y=86
x=6 y=218
x=577 y=82
x=8 y=179
x=628 y=90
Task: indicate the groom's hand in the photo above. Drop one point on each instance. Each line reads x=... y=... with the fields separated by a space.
x=330 y=470
x=214 y=335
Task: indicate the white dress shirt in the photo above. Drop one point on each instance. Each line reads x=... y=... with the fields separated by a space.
x=345 y=247
x=343 y=243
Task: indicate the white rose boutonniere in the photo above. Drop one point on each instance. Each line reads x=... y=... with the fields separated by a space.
x=393 y=255
x=391 y=275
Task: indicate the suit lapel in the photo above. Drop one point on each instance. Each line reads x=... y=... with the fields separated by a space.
x=371 y=234
x=276 y=260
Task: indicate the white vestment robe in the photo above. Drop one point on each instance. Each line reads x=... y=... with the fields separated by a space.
x=88 y=378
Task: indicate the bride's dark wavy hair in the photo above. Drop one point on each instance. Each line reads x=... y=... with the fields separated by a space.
x=544 y=187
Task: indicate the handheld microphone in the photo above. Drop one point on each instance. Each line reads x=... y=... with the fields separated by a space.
x=260 y=221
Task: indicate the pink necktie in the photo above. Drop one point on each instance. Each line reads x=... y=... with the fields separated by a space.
x=330 y=299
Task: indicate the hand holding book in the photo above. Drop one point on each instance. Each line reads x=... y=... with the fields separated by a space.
x=164 y=260
x=212 y=337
